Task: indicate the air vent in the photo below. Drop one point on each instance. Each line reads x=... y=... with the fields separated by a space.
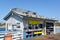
x=34 y=13
x=26 y=12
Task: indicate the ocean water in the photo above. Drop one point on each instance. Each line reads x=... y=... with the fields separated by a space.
x=57 y=29
x=2 y=29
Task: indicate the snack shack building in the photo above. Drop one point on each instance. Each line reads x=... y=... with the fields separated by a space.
x=28 y=23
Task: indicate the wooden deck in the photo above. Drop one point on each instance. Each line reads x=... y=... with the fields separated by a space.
x=47 y=37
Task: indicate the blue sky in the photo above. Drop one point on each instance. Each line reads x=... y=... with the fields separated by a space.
x=49 y=8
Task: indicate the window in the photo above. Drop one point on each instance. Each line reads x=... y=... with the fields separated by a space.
x=26 y=36
x=34 y=35
x=40 y=26
x=25 y=26
x=49 y=24
x=18 y=25
x=14 y=27
x=36 y=27
x=9 y=27
x=30 y=26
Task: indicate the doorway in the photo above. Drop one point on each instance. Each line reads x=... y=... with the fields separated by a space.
x=49 y=28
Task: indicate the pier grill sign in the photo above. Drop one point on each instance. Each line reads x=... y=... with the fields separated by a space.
x=34 y=21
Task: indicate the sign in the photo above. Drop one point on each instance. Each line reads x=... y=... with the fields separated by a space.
x=34 y=21
x=37 y=32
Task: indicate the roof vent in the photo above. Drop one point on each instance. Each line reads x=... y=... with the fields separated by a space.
x=26 y=12
x=34 y=13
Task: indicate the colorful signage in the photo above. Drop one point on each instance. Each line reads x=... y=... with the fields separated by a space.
x=34 y=21
x=37 y=32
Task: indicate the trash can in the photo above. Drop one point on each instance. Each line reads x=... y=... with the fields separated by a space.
x=8 y=37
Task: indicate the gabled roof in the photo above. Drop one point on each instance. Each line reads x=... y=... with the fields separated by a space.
x=24 y=13
x=7 y=16
x=18 y=11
